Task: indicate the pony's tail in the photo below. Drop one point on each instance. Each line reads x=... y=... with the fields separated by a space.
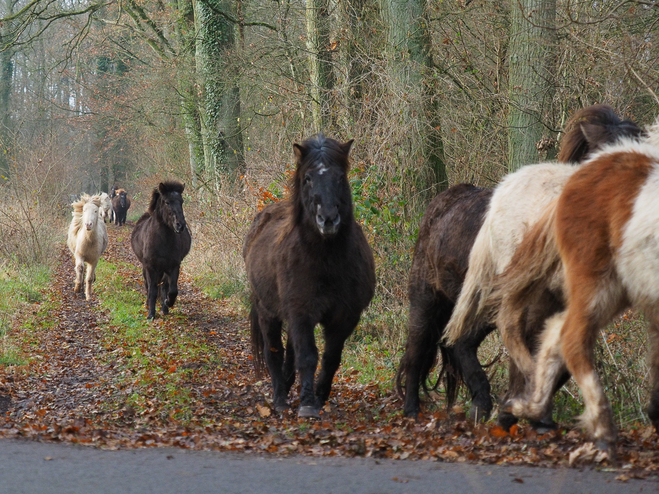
x=473 y=304
x=534 y=267
x=257 y=342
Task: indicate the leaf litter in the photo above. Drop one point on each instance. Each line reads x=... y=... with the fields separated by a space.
x=187 y=381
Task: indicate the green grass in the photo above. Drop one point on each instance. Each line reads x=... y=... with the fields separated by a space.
x=20 y=287
x=223 y=285
x=153 y=357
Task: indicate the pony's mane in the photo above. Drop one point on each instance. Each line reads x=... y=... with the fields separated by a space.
x=311 y=151
x=653 y=133
x=164 y=188
x=119 y=191
x=589 y=128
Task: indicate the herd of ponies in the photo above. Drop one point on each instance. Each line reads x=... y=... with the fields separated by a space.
x=548 y=257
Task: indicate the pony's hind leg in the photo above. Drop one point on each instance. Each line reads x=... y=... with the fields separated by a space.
x=465 y=359
x=548 y=371
x=273 y=354
x=421 y=348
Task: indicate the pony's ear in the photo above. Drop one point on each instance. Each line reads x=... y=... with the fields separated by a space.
x=299 y=151
x=161 y=188
x=182 y=188
x=595 y=134
x=346 y=146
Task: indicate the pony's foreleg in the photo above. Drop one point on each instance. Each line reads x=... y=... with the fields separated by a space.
x=152 y=280
x=163 y=289
x=80 y=274
x=289 y=365
x=335 y=336
x=301 y=330
x=90 y=278
x=578 y=339
x=653 y=360
x=172 y=287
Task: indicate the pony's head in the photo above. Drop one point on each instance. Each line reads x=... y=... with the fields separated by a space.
x=122 y=197
x=90 y=211
x=167 y=205
x=320 y=191
x=590 y=129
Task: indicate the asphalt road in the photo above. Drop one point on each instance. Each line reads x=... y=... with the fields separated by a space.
x=31 y=467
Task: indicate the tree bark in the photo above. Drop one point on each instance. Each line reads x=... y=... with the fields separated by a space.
x=530 y=77
x=6 y=78
x=410 y=45
x=320 y=62
x=219 y=110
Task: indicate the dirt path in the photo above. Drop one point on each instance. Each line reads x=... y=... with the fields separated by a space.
x=78 y=386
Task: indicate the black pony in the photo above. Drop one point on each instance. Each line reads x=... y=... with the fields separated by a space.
x=120 y=206
x=441 y=257
x=160 y=240
x=308 y=262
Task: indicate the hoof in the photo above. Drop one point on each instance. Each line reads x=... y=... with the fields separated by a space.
x=543 y=427
x=478 y=414
x=281 y=408
x=506 y=420
x=308 y=412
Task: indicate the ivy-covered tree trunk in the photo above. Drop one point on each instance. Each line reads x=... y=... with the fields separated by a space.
x=410 y=46
x=185 y=32
x=6 y=78
x=320 y=58
x=530 y=77
x=219 y=111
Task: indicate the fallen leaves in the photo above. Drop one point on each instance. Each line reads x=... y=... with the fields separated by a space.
x=90 y=383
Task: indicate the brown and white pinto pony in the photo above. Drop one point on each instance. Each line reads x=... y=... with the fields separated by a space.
x=600 y=240
x=517 y=203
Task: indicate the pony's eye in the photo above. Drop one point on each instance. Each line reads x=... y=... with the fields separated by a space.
x=307 y=179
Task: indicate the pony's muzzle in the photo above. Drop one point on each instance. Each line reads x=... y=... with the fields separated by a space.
x=178 y=227
x=89 y=225
x=329 y=225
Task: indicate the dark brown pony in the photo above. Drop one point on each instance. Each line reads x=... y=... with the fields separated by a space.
x=308 y=262
x=441 y=257
x=120 y=206
x=160 y=240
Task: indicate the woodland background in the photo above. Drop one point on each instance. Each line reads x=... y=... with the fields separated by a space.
x=215 y=92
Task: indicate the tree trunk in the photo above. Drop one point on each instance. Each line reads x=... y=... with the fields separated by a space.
x=6 y=78
x=219 y=111
x=410 y=45
x=320 y=58
x=530 y=77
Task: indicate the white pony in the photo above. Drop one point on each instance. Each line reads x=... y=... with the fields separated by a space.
x=87 y=240
x=106 y=207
